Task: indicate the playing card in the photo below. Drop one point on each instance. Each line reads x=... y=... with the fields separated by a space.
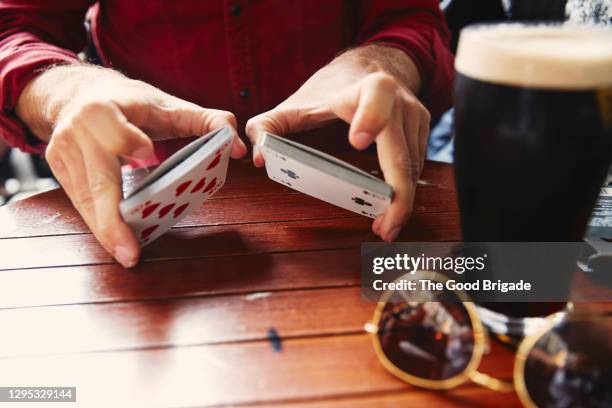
x=322 y=176
x=178 y=186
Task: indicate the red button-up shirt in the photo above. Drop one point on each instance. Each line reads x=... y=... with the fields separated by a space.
x=237 y=55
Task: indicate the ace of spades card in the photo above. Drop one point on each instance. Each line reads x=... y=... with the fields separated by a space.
x=324 y=177
x=178 y=186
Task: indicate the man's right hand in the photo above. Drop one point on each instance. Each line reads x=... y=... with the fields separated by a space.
x=92 y=117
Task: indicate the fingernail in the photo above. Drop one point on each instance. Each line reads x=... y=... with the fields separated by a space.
x=142 y=153
x=393 y=234
x=241 y=146
x=125 y=256
x=363 y=138
x=257 y=157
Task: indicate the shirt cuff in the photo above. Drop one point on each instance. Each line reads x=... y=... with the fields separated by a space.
x=427 y=46
x=15 y=74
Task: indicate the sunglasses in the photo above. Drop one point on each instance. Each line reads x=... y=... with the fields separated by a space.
x=436 y=341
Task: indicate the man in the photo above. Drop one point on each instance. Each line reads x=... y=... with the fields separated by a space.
x=187 y=64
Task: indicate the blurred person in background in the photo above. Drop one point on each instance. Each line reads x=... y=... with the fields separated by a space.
x=460 y=13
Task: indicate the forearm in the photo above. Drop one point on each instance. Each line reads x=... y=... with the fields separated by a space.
x=373 y=89
x=352 y=66
x=34 y=34
x=43 y=99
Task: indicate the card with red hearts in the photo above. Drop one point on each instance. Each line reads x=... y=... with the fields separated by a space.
x=178 y=186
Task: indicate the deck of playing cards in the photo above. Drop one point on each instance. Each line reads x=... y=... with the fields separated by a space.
x=178 y=186
x=322 y=176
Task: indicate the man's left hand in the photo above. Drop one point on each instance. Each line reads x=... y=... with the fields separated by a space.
x=371 y=88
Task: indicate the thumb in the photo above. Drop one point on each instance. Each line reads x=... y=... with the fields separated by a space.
x=289 y=117
x=258 y=126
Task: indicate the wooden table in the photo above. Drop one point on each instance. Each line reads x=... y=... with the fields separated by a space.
x=190 y=325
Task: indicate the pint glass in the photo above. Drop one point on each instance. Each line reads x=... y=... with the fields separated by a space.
x=533 y=136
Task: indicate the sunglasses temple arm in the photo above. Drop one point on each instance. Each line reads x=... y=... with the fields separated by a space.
x=490 y=382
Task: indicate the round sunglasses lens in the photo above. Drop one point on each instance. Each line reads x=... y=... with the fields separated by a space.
x=429 y=340
x=571 y=365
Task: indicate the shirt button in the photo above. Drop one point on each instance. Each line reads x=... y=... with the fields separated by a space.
x=244 y=93
x=235 y=10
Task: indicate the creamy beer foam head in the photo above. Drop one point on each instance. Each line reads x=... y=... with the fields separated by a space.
x=537 y=56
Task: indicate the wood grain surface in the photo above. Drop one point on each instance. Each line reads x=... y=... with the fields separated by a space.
x=252 y=300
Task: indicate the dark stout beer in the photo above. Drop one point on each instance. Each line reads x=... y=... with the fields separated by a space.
x=533 y=135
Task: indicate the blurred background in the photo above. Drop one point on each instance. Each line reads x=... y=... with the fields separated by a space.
x=22 y=174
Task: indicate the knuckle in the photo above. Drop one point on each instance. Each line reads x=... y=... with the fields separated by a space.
x=382 y=80
x=413 y=109
x=61 y=139
x=116 y=146
x=426 y=114
x=411 y=103
x=90 y=108
x=53 y=159
x=93 y=110
x=129 y=139
x=61 y=144
x=52 y=150
x=425 y=131
x=83 y=200
x=228 y=117
x=123 y=144
x=99 y=185
x=408 y=166
x=165 y=113
x=402 y=161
